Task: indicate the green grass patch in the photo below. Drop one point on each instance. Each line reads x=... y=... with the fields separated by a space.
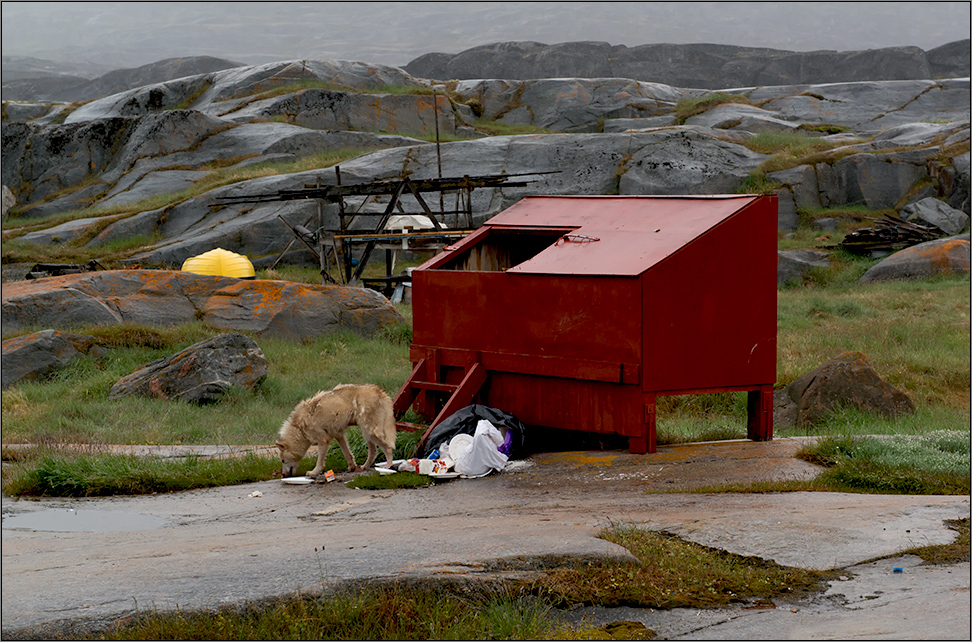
x=390 y=612
x=93 y=475
x=499 y=128
x=376 y=481
x=932 y=463
x=672 y=573
x=790 y=149
x=688 y=107
x=73 y=407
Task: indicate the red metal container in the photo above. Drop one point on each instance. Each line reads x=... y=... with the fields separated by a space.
x=576 y=312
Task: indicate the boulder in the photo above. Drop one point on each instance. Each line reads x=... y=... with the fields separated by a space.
x=931 y=211
x=202 y=373
x=846 y=380
x=923 y=261
x=37 y=356
x=164 y=298
x=792 y=265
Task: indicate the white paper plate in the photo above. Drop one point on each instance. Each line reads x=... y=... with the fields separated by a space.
x=385 y=471
x=444 y=475
x=298 y=480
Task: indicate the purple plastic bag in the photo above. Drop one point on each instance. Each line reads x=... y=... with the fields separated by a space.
x=507 y=443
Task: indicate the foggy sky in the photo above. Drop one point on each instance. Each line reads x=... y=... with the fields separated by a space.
x=129 y=34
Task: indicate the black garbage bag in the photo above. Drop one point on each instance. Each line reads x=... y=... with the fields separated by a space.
x=465 y=421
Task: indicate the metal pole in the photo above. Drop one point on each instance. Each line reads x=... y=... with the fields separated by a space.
x=438 y=150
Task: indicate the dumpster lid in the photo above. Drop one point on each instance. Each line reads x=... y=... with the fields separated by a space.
x=615 y=235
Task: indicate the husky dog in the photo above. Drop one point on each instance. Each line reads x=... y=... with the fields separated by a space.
x=326 y=416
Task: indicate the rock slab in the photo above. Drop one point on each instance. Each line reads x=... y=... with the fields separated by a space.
x=923 y=261
x=202 y=373
x=162 y=298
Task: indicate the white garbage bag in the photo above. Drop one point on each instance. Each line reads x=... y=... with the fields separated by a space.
x=481 y=457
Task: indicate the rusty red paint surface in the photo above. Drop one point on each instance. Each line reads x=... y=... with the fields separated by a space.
x=581 y=310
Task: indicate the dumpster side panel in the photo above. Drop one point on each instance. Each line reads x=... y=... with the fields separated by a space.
x=710 y=308
x=570 y=404
x=589 y=318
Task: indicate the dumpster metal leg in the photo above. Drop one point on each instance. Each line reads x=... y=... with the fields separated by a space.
x=646 y=442
x=759 y=407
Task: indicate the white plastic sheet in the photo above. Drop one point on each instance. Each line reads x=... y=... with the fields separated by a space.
x=482 y=456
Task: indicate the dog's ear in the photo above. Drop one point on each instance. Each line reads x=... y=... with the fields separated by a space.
x=280 y=444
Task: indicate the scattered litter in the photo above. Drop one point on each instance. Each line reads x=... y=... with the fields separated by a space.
x=256 y=493
x=329 y=476
x=898 y=569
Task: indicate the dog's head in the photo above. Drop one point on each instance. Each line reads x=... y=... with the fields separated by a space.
x=292 y=446
x=289 y=459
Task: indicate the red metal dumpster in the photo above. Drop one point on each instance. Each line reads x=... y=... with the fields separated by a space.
x=576 y=312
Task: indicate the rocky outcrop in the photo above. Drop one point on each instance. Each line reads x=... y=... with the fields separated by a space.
x=848 y=380
x=200 y=374
x=904 y=140
x=39 y=355
x=117 y=160
x=926 y=260
x=231 y=89
x=72 y=88
x=162 y=298
x=703 y=66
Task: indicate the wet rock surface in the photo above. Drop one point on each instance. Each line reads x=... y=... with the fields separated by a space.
x=225 y=545
x=163 y=298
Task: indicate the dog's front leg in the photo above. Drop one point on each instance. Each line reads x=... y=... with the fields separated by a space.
x=322 y=447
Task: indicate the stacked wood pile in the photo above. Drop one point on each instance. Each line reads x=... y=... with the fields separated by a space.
x=888 y=234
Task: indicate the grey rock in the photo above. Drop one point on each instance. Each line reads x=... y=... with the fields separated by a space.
x=744 y=117
x=569 y=104
x=787 y=217
x=620 y=125
x=879 y=181
x=71 y=89
x=802 y=180
x=687 y=161
x=923 y=261
x=8 y=201
x=64 y=307
x=846 y=380
x=202 y=373
x=867 y=106
x=932 y=211
x=344 y=110
x=706 y=66
x=39 y=355
x=204 y=90
x=792 y=265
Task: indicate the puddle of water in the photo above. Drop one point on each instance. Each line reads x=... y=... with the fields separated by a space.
x=72 y=520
